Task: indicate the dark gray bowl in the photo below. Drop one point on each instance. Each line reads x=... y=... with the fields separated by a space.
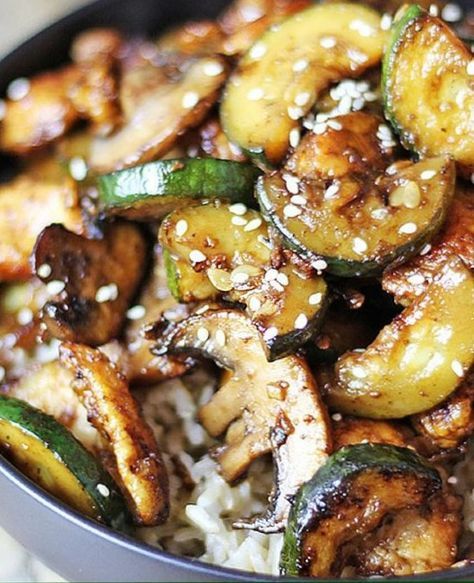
x=73 y=546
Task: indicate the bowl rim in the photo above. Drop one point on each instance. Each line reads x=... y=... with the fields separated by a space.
x=104 y=532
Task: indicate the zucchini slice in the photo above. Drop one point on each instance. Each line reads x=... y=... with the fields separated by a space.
x=235 y=264
x=47 y=453
x=347 y=499
x=153 y=190
x=362 y=227
x=264 y=407
x=416 y=361
x=279 y=79
x=428 y=92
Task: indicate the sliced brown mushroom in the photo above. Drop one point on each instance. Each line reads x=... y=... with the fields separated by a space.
x=352 y=430
x=27 y=206
x=161 y=116
x=95 y=280
x=264 y=407
x=115 y=414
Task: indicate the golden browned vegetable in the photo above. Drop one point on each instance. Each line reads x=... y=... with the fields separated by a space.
x=417 y=360
x=115 y=414
x=160 y=116
x=449 y=424
x=410 y=280
x=264 y=407
x=193 y=39
x=41 y=116
x=27 y=205
x=413 y=541
x=95 y=280
x=352 y=430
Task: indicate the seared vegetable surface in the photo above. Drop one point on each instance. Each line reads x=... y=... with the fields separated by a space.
x=281 y=76
x=53 y=458
x=263 y=407
x=427 y=85
x=115 y=414
x=348 y=498
x=403 y=372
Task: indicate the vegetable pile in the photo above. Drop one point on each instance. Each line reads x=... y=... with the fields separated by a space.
x=286 y=192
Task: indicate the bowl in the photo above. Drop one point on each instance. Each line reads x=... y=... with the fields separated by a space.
x=75 y=547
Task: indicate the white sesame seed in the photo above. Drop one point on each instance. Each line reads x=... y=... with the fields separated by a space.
x=107 y=293
x=370 y=96
x=18 y=89
x=359 y=245
x=3 y=109
x=270 y=333
x=315 y=299
x=433 y=10
x=345 y=104
x=335 y=125
x=407 y=195
x=301 y=322
x=331 y=191
x=258 y=50
x=362 y=28
x=336 y=416
x=295 y=112
x=103 y=490
x=386 y=21
x=253 y=224
x=452 y=480
x=239 y=277
x=213 y=68
x=78 y=168
x=255 y=94
x=254 y=304
x=427 y=174
x=239 y=221
x=298 y=199
x=319 y=128
x=359 y=372
x=295 y=137
x=2 y=373
x=55 y=287
x=302 y=98
x=379 y=214
x=408 y=229
x=358 y=104
x=282 y=279
x=196 y=256
x=221 y=338
x=277 y=286
x=300 y=65
x=470 y=67
x=44 y=270
x=24 y=316
x=181 y=227
x=203 y=334
x=238 y=209
x=451 y=12
x=291 y=211
x=136 y=312
x=292 y=183
x=457 y=368
x=328 y=42
x=271 y=274
x=190 y=99
x=416 y=279
x=319 y=264
x=426 y=249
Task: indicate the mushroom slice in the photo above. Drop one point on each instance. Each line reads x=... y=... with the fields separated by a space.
x=27 y=206
x=95 y=280
x=115 y=414
x=161 y=117
x=265 y=407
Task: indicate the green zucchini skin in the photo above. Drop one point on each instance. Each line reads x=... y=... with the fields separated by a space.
x=66 y=449
x=152 y=190
x=319 y=498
